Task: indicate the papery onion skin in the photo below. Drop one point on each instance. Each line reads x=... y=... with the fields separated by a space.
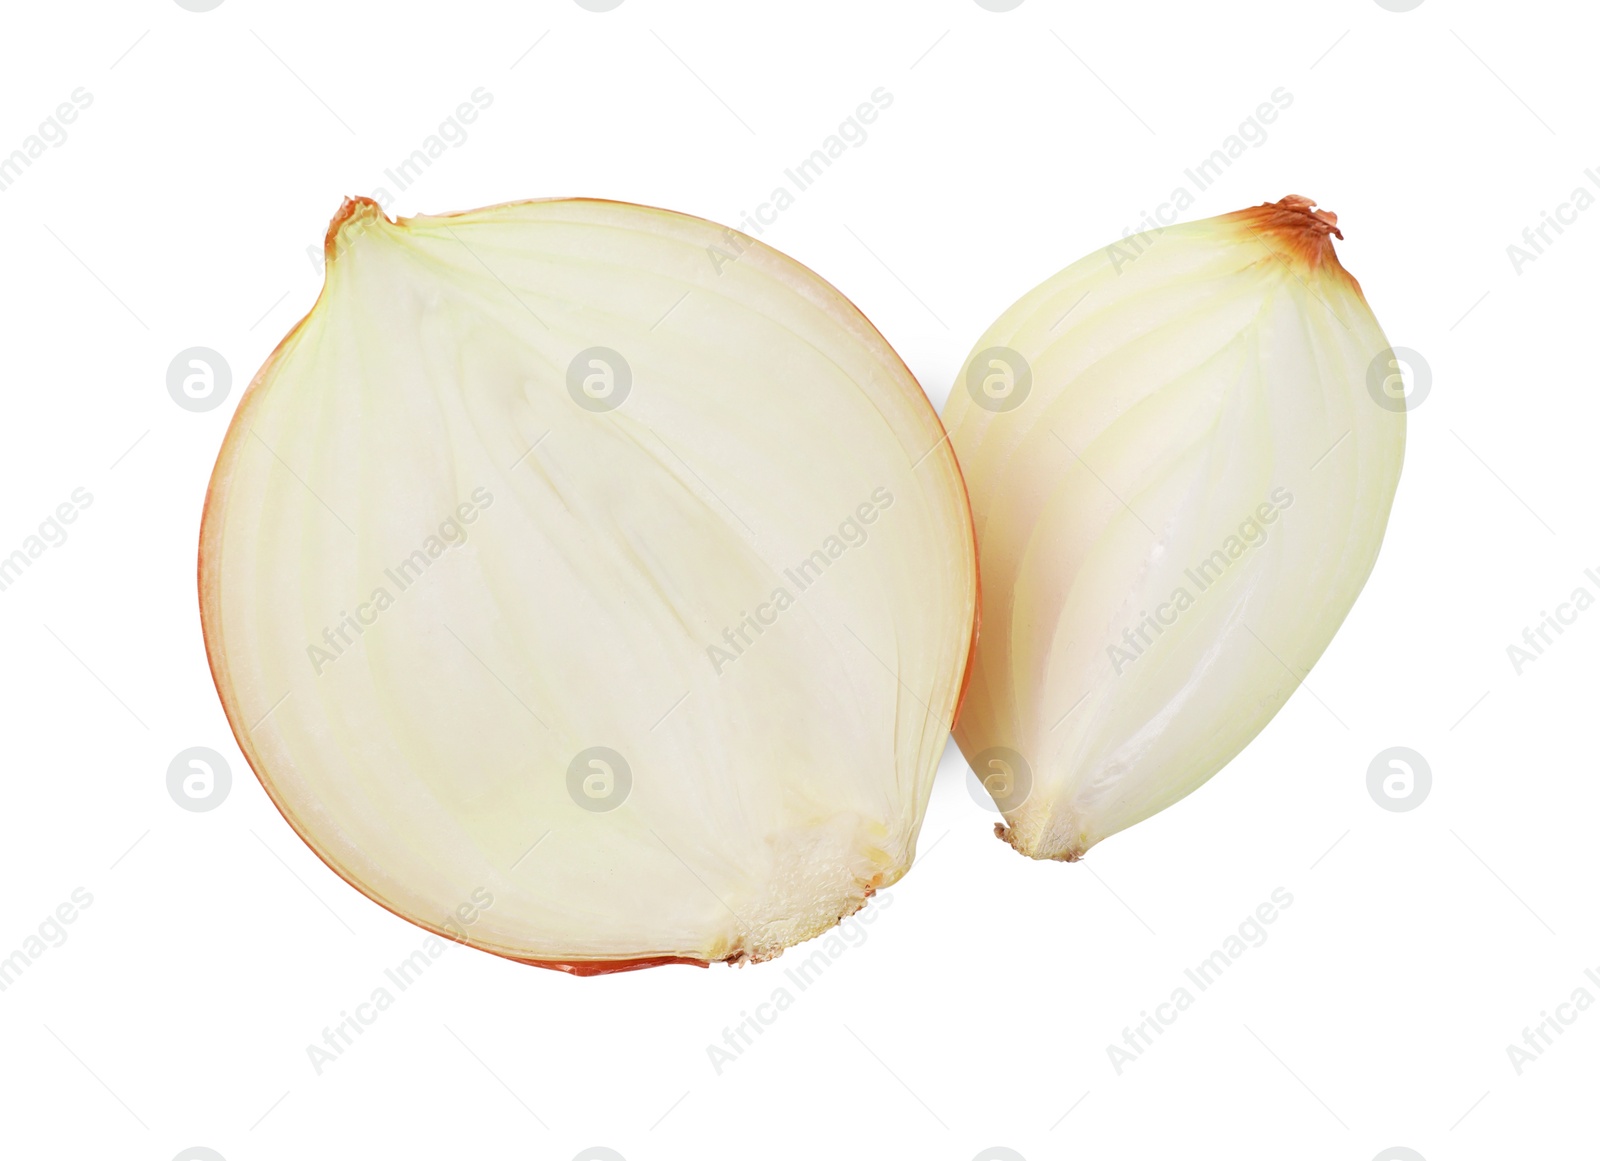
x=815 y=758
x=1203 y=389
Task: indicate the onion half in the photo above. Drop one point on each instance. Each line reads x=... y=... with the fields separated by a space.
x=557 y=560
x=1181 y=453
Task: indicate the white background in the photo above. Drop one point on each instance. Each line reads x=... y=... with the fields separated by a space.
x=978 y=1011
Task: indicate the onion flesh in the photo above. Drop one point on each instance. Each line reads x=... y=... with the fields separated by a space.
x=1181 y=453
x=551 y=561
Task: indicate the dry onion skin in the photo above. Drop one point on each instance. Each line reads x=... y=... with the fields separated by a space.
x=1181 y=453
x=590 y=584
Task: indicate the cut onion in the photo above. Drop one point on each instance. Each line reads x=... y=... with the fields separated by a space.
x=597 y=562
x=1181 y=453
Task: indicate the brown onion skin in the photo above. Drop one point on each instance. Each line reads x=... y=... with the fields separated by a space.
x=605 y=967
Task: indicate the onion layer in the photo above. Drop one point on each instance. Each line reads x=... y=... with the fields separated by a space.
x=557 y=560
x=1181 y=453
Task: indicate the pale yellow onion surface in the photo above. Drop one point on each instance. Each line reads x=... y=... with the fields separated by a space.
x=584 y=575
x=1173 y=517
